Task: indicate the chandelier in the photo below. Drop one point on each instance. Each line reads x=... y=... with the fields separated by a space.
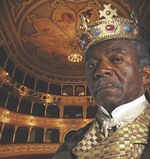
x=75 y=55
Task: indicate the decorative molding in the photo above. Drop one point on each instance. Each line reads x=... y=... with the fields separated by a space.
x=30 y=149
x=13 y=118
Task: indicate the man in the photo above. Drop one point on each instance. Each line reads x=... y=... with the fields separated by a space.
x=117 y=72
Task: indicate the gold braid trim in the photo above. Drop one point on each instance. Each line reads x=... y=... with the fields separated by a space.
x=126 y=143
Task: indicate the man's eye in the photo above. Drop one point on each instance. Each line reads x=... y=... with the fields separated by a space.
x=91 y=65
x=116 y=60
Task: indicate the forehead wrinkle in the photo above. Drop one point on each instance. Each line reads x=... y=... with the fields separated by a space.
x=89 y=55
x=115 y=49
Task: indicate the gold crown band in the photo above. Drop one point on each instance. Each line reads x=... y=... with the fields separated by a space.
x=109 y=28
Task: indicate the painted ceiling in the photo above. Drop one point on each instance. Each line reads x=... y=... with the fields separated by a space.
x=40 y=34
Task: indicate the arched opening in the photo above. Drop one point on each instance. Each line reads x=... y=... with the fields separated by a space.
x=22 y=135
x=29 y=81
x=10 y=67
x=18 y=76
x=38 y=109
x=3 y=96
x=52 y=136
x=70 y=134
x=52 y=111
x=73 y=112
x=91 y=111
x=3 y=56
x=41 y=86
x=7 y=134
x=67 y=90
x=55 y=89
x=79 y=90
x=12 y=103
x=37 y=135
x=25 y=106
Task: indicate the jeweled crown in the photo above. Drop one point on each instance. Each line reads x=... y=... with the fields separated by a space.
x=110 y=27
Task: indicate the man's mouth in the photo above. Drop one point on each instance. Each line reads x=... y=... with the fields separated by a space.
x=103 y=84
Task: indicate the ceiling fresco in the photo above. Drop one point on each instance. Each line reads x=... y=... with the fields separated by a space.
x=41 y=34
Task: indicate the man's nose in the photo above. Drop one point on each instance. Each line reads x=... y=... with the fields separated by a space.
x=103 y=69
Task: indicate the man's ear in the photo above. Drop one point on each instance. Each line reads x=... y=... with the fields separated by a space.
x=146 y=75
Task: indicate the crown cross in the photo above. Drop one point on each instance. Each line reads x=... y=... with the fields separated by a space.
x=110 y=26
x=108 y=13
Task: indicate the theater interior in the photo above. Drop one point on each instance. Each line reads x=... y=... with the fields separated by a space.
x=44 y=98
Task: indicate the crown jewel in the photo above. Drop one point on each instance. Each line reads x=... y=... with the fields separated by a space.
x=110 y=26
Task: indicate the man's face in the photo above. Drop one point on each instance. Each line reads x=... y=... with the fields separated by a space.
x=113 y=74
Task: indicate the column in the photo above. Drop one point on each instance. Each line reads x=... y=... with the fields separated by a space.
x=3 y=125
x=44 y=137
x=31 y=108
x=84 y=111
x=29 y=134
x=7 y=99
x=14 y=133
x=20 y=98
x=46 y=106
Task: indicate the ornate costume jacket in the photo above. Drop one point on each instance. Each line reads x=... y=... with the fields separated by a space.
x=129 y=142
